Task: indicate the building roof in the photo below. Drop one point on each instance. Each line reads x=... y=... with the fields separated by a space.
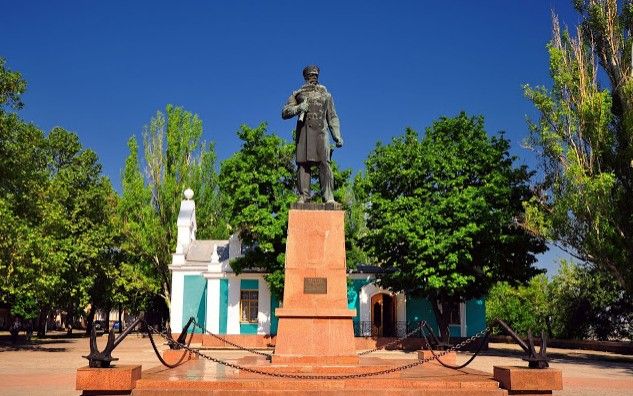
x=369 y=269
x=202 y=250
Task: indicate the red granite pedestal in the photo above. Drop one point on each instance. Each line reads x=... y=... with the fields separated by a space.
x=315 y=325
x=527 y=381
x=202 y=377
x=120 y=379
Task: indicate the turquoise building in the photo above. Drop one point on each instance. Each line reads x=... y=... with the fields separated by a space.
x=204 y=286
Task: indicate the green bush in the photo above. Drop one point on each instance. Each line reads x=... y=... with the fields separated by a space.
x=579 y=303
x=523 y=308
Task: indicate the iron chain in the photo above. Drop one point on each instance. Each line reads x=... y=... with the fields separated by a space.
x=417 y=329
x=462 y=344
x=251 y=350
x=316 y=377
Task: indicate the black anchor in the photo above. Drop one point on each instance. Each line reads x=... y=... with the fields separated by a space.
x=535 y=360
x=102 y=359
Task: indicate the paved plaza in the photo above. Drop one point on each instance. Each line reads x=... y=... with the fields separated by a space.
x=47 y=367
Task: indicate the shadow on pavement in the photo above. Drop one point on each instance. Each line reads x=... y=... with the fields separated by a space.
x=30 y=347
x=610 y=361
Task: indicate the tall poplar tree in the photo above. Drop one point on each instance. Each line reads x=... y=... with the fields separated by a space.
x=175 y=158
x=584 y=138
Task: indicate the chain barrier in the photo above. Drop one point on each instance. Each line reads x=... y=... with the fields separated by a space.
x=457 y=347
x=409 y=334
x=307 y=376
x=251 y=350
x=170 y=340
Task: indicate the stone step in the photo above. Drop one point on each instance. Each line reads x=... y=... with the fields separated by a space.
x=321 y=392
x=201 y=377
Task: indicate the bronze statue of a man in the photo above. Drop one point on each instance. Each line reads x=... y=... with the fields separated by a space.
x=317 y=118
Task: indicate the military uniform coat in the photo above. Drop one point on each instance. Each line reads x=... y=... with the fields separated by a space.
x=313 y=126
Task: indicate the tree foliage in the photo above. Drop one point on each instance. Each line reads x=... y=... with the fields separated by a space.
x=586 y=303
x=441 y=210
x=523 y=307
x=257 y=183
x=585 y=140
x=578 y=303
x=12 y=86
x=175 y=159
x=55 y=214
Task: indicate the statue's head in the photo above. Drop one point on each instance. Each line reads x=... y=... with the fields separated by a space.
x=311 y=74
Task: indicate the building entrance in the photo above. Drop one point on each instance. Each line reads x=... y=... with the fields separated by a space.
x=383 y=315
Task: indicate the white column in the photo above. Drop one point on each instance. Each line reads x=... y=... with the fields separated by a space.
x=177 y=294
x=233 y=313
x=364 y=304
x=213 y=305
x=263 y=308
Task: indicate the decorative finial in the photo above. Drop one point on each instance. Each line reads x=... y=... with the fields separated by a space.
x=188 y=193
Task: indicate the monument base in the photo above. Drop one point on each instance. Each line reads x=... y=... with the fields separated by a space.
x=120 y=379
x=315 y=340
x=202 y=377
x=315 y=323
x=523 y=381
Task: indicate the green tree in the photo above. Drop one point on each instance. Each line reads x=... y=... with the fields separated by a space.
x=59 y=257
x=354 y=200
x=23 y=179
x=175 y=159
x=523 y=307
x=257 y=186
x=589 y=304
x=56 y=212
x=441 y=211
x=12 y=86
x=578 y=303
x=585 y=140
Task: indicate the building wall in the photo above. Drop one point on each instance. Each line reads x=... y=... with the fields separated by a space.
x=223 y=302
x=274 y=321
x=475 y=316
x=234 y=285
x=353 y=297
x=216 y=302
x=178 y=299
x=194 y=300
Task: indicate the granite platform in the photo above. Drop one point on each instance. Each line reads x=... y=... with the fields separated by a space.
x=204 y=377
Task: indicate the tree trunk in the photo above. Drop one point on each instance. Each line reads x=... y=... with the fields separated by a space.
x=441 y=308
x=167 y=296
x=41 y=322
x=70 y=320
x=90 y=319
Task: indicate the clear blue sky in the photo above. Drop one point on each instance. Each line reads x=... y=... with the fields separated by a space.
x=102 y=69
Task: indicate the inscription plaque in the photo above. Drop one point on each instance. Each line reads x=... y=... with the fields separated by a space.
x=314 y=285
